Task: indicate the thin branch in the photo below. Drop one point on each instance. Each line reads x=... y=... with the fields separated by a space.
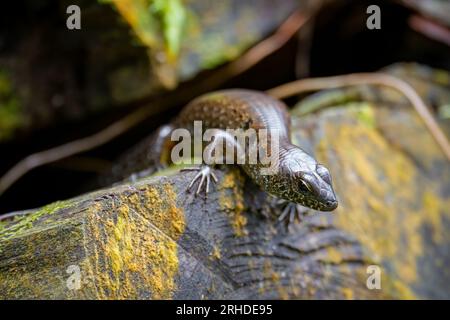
x=293 y=88
x=74 y=147
x=255 y=54
x=430 y=29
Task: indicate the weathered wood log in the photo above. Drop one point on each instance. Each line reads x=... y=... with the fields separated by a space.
x=153 y=240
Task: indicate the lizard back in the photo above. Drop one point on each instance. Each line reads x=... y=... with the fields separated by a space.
x=234 y=109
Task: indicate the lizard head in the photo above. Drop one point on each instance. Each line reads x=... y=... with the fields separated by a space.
x=304 y=181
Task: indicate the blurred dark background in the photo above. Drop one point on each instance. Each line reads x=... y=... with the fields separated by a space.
x=51 y=65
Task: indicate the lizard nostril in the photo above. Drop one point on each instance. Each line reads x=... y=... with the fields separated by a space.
x=331 y=203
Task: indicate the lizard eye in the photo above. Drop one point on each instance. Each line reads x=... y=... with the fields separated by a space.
x=304 y=186
x=323 y=173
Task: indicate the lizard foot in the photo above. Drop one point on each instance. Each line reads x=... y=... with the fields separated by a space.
x=291 y=211
x=205 y=174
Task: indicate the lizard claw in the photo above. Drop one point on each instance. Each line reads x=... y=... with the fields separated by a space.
x=205 y=174
x=290 y=212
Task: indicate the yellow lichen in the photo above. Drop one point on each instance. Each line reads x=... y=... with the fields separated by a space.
x=233 y=202
x=398 y=289
x=137 y=242
x=391 y=208
x=434 y=209
x=283 y=293
x=334 y=255
x=347 y=293
x=274 y=279
x=216 y=253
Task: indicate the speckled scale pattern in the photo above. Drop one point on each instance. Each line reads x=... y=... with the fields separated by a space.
x=246 y=109
x=233 y=109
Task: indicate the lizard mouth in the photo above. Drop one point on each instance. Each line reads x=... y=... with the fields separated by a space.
x=328 y=205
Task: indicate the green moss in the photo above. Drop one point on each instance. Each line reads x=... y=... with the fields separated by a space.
x=154 y=20
x=214 y=58
x=10 y=111
x=365 y=114
x=25 y=222
x=442 y=77
x=172 y=16
x=444 y=111
x=169 y=171
x=325 y=99
x=175 y=168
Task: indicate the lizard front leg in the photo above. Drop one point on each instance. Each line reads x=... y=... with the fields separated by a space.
x=205 y=174
x=291 y=211
x=213 y=155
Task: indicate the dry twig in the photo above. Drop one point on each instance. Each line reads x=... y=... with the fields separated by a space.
x=296 y=87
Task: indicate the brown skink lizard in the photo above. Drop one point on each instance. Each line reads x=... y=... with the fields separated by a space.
x=299 y=178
